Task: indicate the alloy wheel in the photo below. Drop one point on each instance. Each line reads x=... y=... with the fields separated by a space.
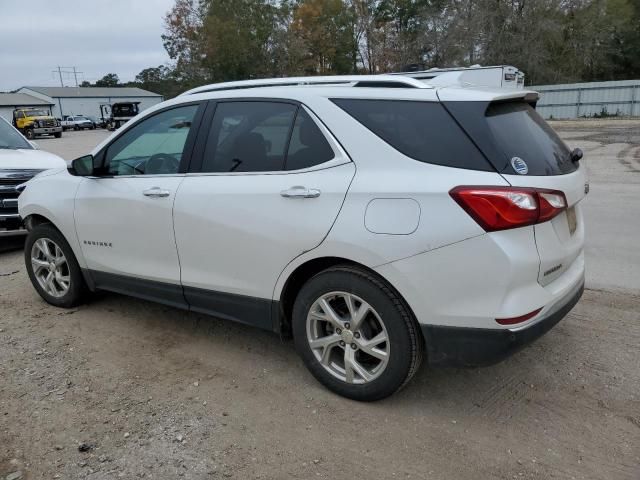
x=348 y=337
x=50 y=267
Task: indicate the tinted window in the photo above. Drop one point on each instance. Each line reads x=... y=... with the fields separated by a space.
x=421 y=130
x=248 y=137
x=308 y=145
x=154 y=146
x=519 y=131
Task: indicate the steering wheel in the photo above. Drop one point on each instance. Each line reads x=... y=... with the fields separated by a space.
x=161 y=163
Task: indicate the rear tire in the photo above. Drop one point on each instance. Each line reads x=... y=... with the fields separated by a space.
x=362 y=356
x=29 y=133
x=57 y=134
x=52 y=267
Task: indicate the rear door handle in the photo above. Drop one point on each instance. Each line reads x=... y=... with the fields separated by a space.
x=300 y=192
x=156 y=192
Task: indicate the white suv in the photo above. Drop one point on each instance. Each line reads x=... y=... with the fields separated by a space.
x=375 y=218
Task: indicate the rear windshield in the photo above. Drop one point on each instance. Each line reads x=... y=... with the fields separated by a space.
x=514 y=138
x=424 y=131
x=520 y=132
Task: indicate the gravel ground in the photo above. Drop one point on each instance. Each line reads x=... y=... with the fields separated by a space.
x=153 y=392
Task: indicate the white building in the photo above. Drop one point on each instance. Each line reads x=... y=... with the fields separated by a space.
x=10 y=101
x=87 y=100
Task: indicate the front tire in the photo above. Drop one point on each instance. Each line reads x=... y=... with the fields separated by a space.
x=52 y=267
x=355 y=334
x=57 y=134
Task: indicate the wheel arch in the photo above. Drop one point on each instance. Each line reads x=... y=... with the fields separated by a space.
x=42 y=216
x=34 y=219
x=302 y=273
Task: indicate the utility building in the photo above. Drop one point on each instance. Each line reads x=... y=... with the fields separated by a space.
x=10 y=101
x=87 y=100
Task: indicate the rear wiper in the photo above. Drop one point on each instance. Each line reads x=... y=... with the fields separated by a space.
x=6 y=147
x=576 y=155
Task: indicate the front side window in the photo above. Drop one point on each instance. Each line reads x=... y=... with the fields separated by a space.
x=154 y=146
x=249 y=137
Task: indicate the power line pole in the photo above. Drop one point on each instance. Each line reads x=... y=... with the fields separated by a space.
x=60 y=74
x=75 y=75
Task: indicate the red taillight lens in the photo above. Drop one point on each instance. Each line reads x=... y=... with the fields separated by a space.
x=502 y=208
x=551 y=204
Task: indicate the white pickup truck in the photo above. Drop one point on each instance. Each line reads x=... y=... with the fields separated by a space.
x=77 y=122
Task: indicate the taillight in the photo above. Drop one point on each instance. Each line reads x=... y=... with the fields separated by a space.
x=502 y=208
x=551 y=204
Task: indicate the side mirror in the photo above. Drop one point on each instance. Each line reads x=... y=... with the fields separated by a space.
x=82 y=167
x=576 y=155
x=34 y=145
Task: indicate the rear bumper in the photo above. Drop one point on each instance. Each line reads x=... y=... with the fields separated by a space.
x=472 y=347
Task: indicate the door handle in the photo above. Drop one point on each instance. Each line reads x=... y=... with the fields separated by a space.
x=300 y=192
x=156 y=192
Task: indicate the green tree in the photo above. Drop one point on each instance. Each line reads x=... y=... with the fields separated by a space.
x=238 y=38
x=327 y=30
x=109 y=80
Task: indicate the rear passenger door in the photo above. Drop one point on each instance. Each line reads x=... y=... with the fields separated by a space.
x=268 y=187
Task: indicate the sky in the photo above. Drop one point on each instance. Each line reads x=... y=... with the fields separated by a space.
x=95 y=36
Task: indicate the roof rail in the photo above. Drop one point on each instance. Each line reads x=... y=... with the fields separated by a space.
x=381 y=81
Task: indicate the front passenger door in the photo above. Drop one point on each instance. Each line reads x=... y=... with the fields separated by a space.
x=124 y=217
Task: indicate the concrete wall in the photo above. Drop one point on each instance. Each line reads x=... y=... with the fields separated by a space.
x=621 y=98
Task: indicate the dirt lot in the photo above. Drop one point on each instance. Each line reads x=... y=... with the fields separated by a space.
x=155 y=392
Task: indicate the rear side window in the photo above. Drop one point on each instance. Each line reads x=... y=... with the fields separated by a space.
x=423 y=131
x=308 y=145
x=249 y=137
x=519 y=132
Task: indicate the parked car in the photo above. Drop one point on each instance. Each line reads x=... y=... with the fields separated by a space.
x=20 y=160
x=378 y=219
x=97 y=122
x=77 y=122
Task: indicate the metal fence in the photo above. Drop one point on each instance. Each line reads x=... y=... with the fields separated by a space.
x=595 y=99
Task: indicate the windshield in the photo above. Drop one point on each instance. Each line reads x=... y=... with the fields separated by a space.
x=37 y=113
x=10 y=138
